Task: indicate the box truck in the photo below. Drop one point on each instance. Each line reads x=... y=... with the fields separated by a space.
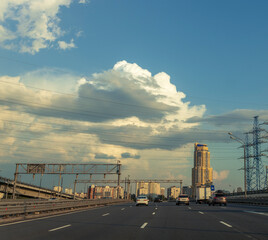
x=202 y=194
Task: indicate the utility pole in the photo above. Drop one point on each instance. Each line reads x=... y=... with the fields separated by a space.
x=180 y=186
x=75 y=182
x=15 y=181
x=118 y=180
x=128 y=186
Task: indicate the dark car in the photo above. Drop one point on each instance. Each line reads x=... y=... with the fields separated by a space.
x=217 y=198
x=157 y=200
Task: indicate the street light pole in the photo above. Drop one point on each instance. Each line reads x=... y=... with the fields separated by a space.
x=245 y=170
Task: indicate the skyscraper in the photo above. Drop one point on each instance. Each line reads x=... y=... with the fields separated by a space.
x=201 y=172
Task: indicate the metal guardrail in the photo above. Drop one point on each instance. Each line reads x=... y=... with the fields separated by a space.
x=16 y=208
x=253 y=200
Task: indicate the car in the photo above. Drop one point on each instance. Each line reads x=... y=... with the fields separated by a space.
x=217 y=198
x=182 y=199
x=158 y=200
x=142 y=200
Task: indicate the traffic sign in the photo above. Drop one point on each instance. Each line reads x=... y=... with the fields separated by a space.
x=212 y=187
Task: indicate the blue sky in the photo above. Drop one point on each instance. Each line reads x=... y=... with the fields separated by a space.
x=213 y=52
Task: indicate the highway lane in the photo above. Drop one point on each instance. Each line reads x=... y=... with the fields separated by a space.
x=157 y=221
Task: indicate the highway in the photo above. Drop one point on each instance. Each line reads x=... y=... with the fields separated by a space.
x=157 y=221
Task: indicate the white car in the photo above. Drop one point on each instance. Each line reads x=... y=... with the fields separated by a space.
x=182 y=199
x=142 y=200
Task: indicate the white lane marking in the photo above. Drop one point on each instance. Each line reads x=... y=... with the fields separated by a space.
x=55 y=229
x=153 y=213
x=260 y=213
x=144 y=225
x=156 y=208
x=226 y=224
x=122 y=209
x=58 y=215
x=106 y=214
x=201 y=212
x=189 y=207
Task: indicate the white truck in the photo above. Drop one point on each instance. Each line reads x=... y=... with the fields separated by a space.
x=202 y=194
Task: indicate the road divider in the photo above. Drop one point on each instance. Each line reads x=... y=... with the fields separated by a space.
x=24 y=209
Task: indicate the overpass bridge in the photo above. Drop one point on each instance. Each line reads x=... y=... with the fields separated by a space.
x=28 y=190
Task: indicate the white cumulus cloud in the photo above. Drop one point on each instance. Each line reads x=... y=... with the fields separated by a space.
x=28 y=26
x=64 y=45
x=220 y=175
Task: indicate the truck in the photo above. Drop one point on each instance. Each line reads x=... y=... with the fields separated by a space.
x=202 y=194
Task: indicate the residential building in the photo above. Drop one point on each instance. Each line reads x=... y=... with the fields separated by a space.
x=68 y=191
x=201 y=172
x=98 y=192
x=148 y=188
x=187 y=190
x=57 y=188
x=173 y=192
x=142 y=188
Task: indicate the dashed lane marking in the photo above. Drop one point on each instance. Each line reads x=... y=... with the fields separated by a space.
x=260 y=213
x=122 y=209
x=226 y=224
x=201 y=212
x=156 y=208
x=189 y=207
x=55 y=229
x=153 y=213
x=106 y=214
x=144 y=225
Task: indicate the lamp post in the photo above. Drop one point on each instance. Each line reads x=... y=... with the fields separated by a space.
x=245 y=170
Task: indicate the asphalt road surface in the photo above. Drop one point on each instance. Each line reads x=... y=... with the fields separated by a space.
x=157 y=221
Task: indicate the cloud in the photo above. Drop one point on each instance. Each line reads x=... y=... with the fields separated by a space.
x=129 y=155
x=84 y=1
x=238 y=118
x=124 y=113
x=222 y=175
x=63 y=45
x=29 y=26
x=104 y=156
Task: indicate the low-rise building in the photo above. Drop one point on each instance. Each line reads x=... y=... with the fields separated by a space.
x=98 y=192
x=173 y=192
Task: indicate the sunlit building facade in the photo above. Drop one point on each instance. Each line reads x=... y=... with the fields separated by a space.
x=173 y=192
x=201 y=172
x=148 y=188
x=98 y=192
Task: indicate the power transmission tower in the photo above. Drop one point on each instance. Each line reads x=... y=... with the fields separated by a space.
x=257 y=177
x=249 y=166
